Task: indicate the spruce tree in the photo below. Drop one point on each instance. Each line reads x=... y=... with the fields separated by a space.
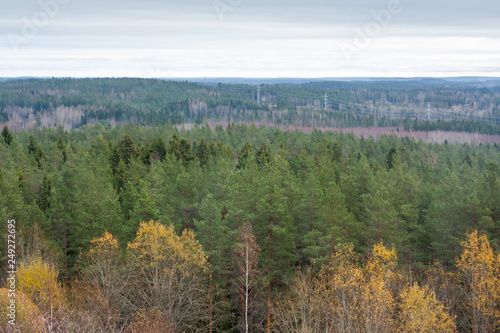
x=203 y=152
x=62 y=147
x=7 y=136
x=44 y=194
x=245 y=155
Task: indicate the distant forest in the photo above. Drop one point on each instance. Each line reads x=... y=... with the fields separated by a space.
x=238 y=229
x=72 y=103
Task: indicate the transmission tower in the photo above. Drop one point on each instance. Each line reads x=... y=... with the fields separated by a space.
x=429 y=111
x=326 y=101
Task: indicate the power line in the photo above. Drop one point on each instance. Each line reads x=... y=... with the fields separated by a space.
x=305 y=101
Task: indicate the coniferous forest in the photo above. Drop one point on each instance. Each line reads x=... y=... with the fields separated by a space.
x=248 y=228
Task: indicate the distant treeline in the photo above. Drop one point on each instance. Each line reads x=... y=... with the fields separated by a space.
x=73 y=103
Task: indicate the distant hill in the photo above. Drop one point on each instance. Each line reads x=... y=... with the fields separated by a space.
x=457 y=104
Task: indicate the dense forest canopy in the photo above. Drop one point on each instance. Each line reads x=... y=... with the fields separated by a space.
x=455 y=106
x=170 y=229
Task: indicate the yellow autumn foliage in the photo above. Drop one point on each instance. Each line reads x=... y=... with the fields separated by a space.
x=102 y=282
x=38 y=280
x=479 y=271
x=382 y=260
x=169 y=274
x=29 y=318
x=377 y=299
x=106 y=242
x=344 y=278
x=421 y=312
x=159 y=244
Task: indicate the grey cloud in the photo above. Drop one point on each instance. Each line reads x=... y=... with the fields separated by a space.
x=310 y=32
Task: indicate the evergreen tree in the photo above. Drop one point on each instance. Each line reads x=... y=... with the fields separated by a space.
x=202 y=152
x=158 y=149
x=36 y=151
x=145 y=207
x=245 y=155
x=62 y=147
x=215 y=236
x=185 y=151
x=390 y=158
x=447 y=221
x=263 y=155
x=275 y=228
x=44 y=194
x=181 y=149
x=7 y=136
x=126 y=149
x=334 y=226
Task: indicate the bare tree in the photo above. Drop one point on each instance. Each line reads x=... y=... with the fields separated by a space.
x=247 y=254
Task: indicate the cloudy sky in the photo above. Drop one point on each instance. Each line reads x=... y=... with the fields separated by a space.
x=249 y=38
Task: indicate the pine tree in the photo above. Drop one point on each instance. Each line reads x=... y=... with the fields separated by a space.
x=276 y=228
x=202 y=152
x=187 y=192
x=62 y=147
x=334 y=225
x=215 y=236
x=181 y=149
x=390 y=158
x=245 y=155
x=126 y=149
x=7 y=136
x=447 y=222
x=185 y=151
x=145 y=207
x=44 y=194
x=159 y=149
x=263 y=155
x=36 y=151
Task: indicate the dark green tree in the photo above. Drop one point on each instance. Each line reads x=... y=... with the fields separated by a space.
x=203 y=152
x=158 y=149
x=127 y=149
x=36 y=151
x=263 y=155
x=7 y=136
x=62 y=147
x=390 y=158
x=44 y=194
x=245 y=155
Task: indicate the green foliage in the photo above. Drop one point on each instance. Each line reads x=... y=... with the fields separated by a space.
x=44 y=194
x=36 y=151
x=62 y=147
x=7 y=136
x=245 y=155
x=306 y=196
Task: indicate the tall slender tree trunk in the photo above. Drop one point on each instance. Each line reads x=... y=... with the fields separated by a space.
x=242 y=298
x=268 y=324
x=247 y=287
x=211 y=295
x=313 y=211
x=211 y=324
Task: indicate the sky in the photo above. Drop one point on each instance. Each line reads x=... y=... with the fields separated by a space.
x=249 y=38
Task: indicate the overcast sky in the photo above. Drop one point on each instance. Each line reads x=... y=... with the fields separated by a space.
x=249 y=38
